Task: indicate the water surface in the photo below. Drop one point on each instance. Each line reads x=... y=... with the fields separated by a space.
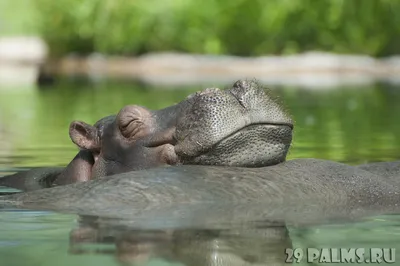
x=350 y=124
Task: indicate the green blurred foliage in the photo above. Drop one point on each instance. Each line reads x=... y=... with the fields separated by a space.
x=18 y=17
x=238 y=27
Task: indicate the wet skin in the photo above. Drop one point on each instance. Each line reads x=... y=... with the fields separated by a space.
x=251 y=131
x=296 y=192
x=96 y=154
x=242 y=126
x=300 y=191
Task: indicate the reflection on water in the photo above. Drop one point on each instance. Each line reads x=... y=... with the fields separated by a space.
x=233 y=246
x=353 y=125
x=44 y=238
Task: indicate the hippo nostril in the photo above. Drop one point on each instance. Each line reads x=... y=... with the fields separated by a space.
x=244 y=84
x=246 y=92
x=240 y=84
x=239 y=98
x=244 y=87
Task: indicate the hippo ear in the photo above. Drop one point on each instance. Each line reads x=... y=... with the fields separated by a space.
x=84 y=135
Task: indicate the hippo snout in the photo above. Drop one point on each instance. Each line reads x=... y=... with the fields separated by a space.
x=242 y=114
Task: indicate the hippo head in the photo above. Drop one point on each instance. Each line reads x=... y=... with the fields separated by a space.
x=240 y=126
x=131 y=140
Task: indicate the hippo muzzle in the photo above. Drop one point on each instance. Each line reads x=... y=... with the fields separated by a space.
x=240 y=126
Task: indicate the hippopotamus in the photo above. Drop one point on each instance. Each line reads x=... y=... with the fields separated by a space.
x=217 y=130
x=138 y=138
x=90 y=161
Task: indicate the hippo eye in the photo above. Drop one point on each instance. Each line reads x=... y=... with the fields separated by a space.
x=131 y=128
x=133 y=122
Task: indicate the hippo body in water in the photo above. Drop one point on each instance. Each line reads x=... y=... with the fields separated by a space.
x=241 y=126
x=255 y=132
x=296 y=191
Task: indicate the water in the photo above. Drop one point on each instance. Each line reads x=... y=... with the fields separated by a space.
x=352 y=125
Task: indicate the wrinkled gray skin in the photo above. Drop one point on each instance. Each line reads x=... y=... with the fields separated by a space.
x=296 y=192
x=203 y=195
x=253 y=131
x=239 y=126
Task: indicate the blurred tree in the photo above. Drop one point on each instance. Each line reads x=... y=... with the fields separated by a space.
x=238 y=27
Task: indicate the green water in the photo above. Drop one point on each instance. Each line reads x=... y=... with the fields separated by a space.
x=353 y=125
